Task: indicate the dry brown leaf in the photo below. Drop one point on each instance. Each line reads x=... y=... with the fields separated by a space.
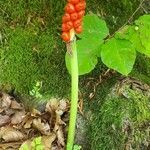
x=48 y=140
x=52 y=105
x=28 y=143
x=5 y=101
x=35 y=113
x=63 y=104
x=16 y=105
x=10 y=146
x=44 y=128
x=31 y=122
x=60 y=137
x=4 y=119
x=9 y=134
x=18 y=117
x=10 y=111
x=62 y=107
x=28 y=123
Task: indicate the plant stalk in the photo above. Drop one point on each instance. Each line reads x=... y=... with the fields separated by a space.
x=74 y=96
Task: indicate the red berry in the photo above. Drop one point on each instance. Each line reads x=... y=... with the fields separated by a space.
x=66 y=18
x=78 y=30
x=70 y=8
x=65 y=36
x=77 y=23
x=81 y=13
x=74 y=16
x=80 y=6
x=73 y=1
x=69 y=24
x=65 y=27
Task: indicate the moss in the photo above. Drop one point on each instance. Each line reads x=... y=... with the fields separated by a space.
x=141 y=69
x=116 y=13
x=121 y=123
x=32 y=49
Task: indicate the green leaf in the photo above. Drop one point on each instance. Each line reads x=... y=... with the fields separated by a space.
x=95 y=27
x=134 y=37
x=123 y=33
x=145 y=38
x=143 y=24
x=88 y=48
x=119 y=55
x=77 y=147
x=86 y=51
x=138 y=35
x=145 y=19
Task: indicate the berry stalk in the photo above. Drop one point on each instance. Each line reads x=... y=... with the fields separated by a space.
x=71 y=24
x=74 y=96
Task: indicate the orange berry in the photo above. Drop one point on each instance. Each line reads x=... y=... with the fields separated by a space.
x=78 y=30
x=80 y=6
x=81 y=13
x=74 y=16
x=66 y=18
x=65 y=36
x=77 y=23
x=73 y=1
x=70 y=8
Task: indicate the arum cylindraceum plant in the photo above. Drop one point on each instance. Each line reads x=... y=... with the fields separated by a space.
x=117 y=53
x=71 y=25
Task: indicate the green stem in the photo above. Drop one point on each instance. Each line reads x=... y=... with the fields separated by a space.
x=74 y=96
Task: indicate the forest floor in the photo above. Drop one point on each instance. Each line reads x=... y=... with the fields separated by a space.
x=32 y=65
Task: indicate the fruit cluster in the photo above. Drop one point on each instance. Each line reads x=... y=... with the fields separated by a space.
x=72 y=19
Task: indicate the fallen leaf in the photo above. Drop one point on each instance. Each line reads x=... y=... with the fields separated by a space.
x=9 y=134
x=18 y=117
x=62 y=107
x=52 y=105
x=26 y=145
x=10 y=146
x=44 y=128
x=48 y=140
x=16 y=105
x=9 y=111
x=4 y=119
x=35 y=113
x=5 y=101
x=60 y=137
x=28 y=123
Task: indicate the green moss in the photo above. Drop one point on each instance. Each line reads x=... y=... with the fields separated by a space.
x=26 y=59
x=116 y=13
x=141 y=69
x=121 y=122
x=32 y=49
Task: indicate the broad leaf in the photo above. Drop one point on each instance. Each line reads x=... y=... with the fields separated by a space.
x=123 y=33
x=134 y=37
x=87 y=59
x=145 y=19
x=138 y=35
x=118 y=55
x=95 y=27
x=88 y=48
x=145 y=38
x=143 y=24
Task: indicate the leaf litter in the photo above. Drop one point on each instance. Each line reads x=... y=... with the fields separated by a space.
x=21 y=128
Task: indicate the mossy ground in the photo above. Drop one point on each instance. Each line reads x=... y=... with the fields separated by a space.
x=122 y=123
x=31 y=49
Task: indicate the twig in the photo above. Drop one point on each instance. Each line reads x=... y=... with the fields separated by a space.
x=128 y=21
